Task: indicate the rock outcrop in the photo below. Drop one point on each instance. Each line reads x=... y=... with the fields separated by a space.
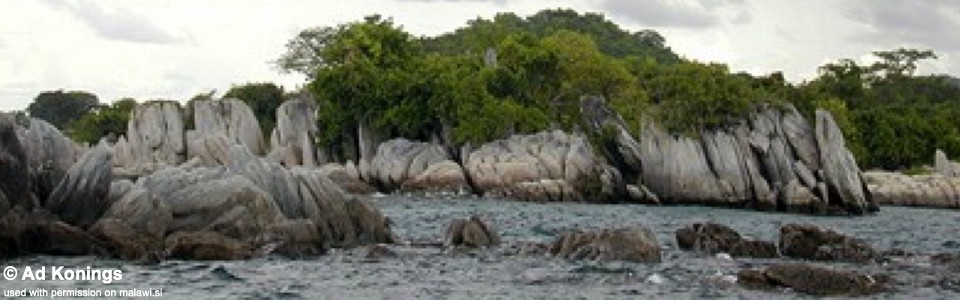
x=15 y=179
x=935 y=190
x=773 y=161
x=634 y=244
x=548 y=166
x=811 y=242
x=472 y=232
x=294 y=137
x=415 y=166
x=814 y=280
x=155 y=137
x=230 y=118
x=716 y=238
x=50 y=154
x=945 y=167
x=84 y=193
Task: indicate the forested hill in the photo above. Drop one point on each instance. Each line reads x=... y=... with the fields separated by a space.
x=480 y=34
x=512 y=74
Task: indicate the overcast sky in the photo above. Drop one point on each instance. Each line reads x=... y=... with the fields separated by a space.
x=174 y=49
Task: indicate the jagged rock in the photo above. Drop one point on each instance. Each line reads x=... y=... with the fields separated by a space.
x=126 y=243
x=840 y=170
x=716 y=238
x=540 y=166
x=15 y=181
x=634 y=244
x=206 y=245
x=811 y=242
x=773 y=160
x=415 y=166
x=295 y=133
x=211 y=149
x=233 y=119
x=920 y=190
x=135 y=225
x=155 y=136
x=232 y=206
x=49 y=152
x=813 y=280
x=371 y=226
x=640 y=194
x=944 y=166
x=472 y=232
x=84 y=193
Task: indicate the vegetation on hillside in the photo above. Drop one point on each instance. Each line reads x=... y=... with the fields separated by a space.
x=510 y=74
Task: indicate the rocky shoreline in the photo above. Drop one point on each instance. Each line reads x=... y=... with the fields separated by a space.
x=219 y=191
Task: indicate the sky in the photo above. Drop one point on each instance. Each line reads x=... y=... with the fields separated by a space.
x=174 y=49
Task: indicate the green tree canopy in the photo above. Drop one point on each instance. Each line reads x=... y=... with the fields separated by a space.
x=104 y=121
x=60 y=108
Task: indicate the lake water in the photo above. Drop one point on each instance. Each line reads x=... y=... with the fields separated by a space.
x=429 y=272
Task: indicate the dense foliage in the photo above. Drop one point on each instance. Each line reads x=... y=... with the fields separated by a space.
x=493 y=78
x=60 y=108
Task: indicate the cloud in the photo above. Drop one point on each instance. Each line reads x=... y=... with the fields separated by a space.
x=115 y=23
x=677 y=14
x=501 y=2
x=930 y=23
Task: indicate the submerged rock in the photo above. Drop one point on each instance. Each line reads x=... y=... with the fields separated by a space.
x=634 y=244
x=812 y=280
x=811 y=242
x=716 y=238
x=206 y=245
x=472 y=232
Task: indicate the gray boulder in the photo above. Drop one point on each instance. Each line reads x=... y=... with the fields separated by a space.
x=415 y=166
x=546 y=166
x=233 y=119
x=15 y=181
x=813 y=280
x=49 y=152
x=84 y=193
x=935 y=190
x=471 y=232
x=841 y=173
x=634 y=244
x=295 y=133
x=155 y=136
x=811 y=242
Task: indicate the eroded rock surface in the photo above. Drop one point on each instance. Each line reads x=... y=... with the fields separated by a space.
x=634 y=244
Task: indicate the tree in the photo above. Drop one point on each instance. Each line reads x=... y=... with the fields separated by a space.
x=263 y=98
x=900 y=62
x=60 y=108
x=105 y=121
x=303 y=53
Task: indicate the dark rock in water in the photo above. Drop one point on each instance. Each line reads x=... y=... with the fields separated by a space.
x=709 y=237
x=205 y=245
x=813 y=280
x=15 y=182
x=298 y=238
x=125 y=243
x=755 y=249
x=39 y=233
x=472 y=232
x=83 y=194
x=715 y=238
x=370 y=224
x=634 y=244
x=811 y=242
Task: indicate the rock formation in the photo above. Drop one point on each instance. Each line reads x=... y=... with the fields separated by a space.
x=716 y=238
x=635 y=244
x=472 y=232
x=83 y=194
x=155 y=136
x=944 y=166
x=812 y=280
x=773 y=161
x=415 y=166
x=935 y=190
x=15 y=179
x=548 y=166
x=294 y=137
x=49 y=154
x=811 y=242
x=231 y=118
